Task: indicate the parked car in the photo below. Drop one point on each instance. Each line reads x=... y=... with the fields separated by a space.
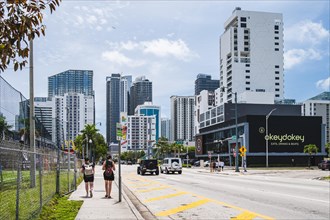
x=171 y=165
x=129 y=162
x=148 y=166
x=197 y=163
x=324 y=165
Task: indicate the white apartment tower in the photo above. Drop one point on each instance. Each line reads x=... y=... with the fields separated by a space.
x=319 y=106
x=251 y=57
x=182 y=118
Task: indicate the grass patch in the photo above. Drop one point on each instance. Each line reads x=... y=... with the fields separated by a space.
x=326 y=178
x=60 y=208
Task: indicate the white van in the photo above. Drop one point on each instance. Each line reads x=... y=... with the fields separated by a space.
x=171 y=165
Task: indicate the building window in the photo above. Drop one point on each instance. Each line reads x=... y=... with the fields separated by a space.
x=246 y=43
x=247 y=71
x=247 y=83
x=243 y=19
x=277 y=66
x=277 y=84
x=246 y=31
x=276 y=32
x=246 y=37
x=277 y=72
x=243 y=25
x=277 y=90
x=277 y=95
x=276 y=27
x=247 y=77
x=276 y=38
x=276 y=49
x=246 y=49
x=247 y=65
x=277 y=78
x=247 y=88
x=276 y=43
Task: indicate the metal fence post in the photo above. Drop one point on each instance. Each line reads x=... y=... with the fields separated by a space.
x=40 y=178
x=58 y=172
x=18 y=182
x=75 y=172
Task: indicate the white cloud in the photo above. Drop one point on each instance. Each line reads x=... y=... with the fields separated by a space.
x=158 y=47
x=324 y=84
x=121 y=59
x=296 y=56
x=307 y=32
x=165 y=48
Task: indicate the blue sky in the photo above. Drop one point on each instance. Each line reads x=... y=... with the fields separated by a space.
x=170 y=42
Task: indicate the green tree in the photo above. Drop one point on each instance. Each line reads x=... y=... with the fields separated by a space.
x=4 y=127
x=327 y=148
x=310 y=149
x=20 y=22
x=162 y=148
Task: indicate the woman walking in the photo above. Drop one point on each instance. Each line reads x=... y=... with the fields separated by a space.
x=88 y=170
x=108 y=175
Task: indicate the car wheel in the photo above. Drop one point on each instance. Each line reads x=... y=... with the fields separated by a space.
x=157 y=172
x=166 y=170
x=179 y=172
x=161 y=171
x=142 y=173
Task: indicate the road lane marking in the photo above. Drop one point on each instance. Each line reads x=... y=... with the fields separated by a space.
x=182 y=208
x=142 y=185
x=153 y=189
x=235 y=207
x=245 y=216
x=165 y=197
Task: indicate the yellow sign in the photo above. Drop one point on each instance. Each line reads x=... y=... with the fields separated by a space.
x=242 y=150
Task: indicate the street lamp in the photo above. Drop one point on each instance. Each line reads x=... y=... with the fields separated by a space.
x=236 y=129
x=266 y=137
x=90 y=142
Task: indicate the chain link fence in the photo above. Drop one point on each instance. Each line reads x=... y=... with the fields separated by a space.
x=23 y=190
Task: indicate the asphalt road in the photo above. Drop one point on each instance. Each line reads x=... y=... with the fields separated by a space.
x=198 y=194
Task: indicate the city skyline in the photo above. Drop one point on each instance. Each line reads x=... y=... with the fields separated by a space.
x=170 y=43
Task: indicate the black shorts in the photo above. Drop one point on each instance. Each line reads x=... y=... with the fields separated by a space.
x=111 y=178
x=89 y=178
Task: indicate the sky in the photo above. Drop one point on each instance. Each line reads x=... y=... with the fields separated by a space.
x=170 y=42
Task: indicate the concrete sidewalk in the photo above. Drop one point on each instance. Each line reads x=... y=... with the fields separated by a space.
x=100 y=207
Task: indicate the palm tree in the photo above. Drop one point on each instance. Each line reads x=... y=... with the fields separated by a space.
x=162 y=147
x=310 y=149
x=89 y=132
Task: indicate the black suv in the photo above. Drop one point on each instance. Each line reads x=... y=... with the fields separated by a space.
x=148 y=166
x=324 y=165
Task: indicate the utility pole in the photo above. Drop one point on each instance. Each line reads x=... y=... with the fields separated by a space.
x=236 y=128
x=32 y=123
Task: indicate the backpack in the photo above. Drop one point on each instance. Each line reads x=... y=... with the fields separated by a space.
x=108 y=169
x=88 y=170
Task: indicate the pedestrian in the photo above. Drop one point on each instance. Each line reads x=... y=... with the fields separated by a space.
x=214 y=164
x=222 y=164
x=88 y=169
x=108 y=175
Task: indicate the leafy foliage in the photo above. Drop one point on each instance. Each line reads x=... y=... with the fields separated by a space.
x=310 y=149
x=21 y=21
x=327 y=148
x=4 y=127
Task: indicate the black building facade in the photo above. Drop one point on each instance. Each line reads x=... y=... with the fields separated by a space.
x=286 y=135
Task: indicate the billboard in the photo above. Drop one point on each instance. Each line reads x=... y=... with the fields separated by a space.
x=285 y=133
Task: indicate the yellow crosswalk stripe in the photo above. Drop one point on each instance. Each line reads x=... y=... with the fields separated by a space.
x=165 y=197
x=153 y=189
x=183 y=207
x=245 y=216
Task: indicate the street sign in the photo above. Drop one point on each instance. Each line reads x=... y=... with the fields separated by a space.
x=233 y=137
x=242 y=149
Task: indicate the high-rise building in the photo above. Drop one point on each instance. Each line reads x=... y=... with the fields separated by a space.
x=141 y=91
x=72 y=112
x=251 y=56
x=166 y=128
x=117 y=101
x=45 y=113
x=112 y=106
x=205 y=82
x=141 y=133
x=319 y=106
x=148 y=109
x=78 y=81
x=182 y=118
x=72 y=95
